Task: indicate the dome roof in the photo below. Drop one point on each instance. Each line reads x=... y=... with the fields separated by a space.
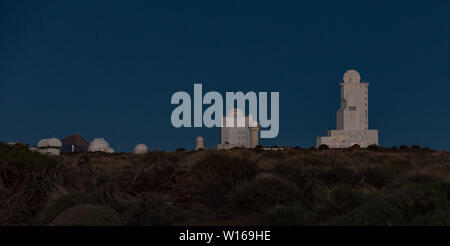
x=100 y=144
x=352 y=76
x=140 y=149
x=236 y=112
x=49 y=143
x=76 y=140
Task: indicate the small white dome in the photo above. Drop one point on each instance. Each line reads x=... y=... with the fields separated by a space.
x=49 y=143
x=100 y=144
x=140 y=149
x=352 y=76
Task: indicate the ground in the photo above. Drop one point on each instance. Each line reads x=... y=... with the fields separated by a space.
x=375 y=186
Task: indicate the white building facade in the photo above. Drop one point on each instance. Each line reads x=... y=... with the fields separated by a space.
x=352 y=117
x=100 y=145
x=237 y=134
x=49 y=146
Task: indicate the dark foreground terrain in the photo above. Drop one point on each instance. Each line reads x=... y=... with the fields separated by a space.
x=236 y=187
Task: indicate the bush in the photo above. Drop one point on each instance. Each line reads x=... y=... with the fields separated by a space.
x=269 y=160
x=22 y=157
x=65 y=202
x=154 y=209
x=338 y=175
x=214 y=176
x=373 y=147
x=424 y=204
x=377 y=177
x=323 y=146
x=88 y=215
x=415 y=147
x=294 y=215
x=404 y=147
x=265 y=191
x=355 y=147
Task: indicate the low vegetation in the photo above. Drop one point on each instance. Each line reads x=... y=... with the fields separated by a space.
x=355 y=186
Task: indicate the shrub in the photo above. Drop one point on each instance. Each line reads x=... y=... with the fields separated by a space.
x=404 y=147
x=154 y=209
x=373 y=147
x=412 y=205
x=338 y=175
x=213 y=176
x=88 y=215
x=294 y=215
x=269 y=160
x=22 y=157
x=65 y=202
x=415 y=147
x=354 y=147
x=323 y=146
x=377 y=177
x=265 y=191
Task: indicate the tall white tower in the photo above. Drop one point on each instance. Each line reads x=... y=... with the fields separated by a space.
x=352 y=117
x=199 y=143
x=353 y=113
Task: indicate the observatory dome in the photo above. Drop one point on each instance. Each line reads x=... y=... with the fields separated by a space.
x=140 y=149
x=74 y=143
x=352 y=76
x=49 y=143
x=100 y=144
x=235 y=112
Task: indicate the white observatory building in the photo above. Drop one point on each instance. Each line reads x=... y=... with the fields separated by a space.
x=100 y=145
x=50 y=146
x=199 y=143
x=245 y=136
x=140 y=149
x=352 y=117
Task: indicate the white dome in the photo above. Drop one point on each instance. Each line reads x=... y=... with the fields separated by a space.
x=352 y=76
x=140 y=149
x=49 y=143
x=236 y=112
x=100 y=144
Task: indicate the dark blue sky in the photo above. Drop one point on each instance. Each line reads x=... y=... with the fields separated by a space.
x=108 y=68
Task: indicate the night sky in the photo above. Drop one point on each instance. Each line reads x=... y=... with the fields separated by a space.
x=109 y=68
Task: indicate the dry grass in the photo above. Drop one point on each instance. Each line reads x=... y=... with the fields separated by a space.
x=241 y=186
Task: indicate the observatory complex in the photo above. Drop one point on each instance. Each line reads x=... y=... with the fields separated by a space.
x=352 y=117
